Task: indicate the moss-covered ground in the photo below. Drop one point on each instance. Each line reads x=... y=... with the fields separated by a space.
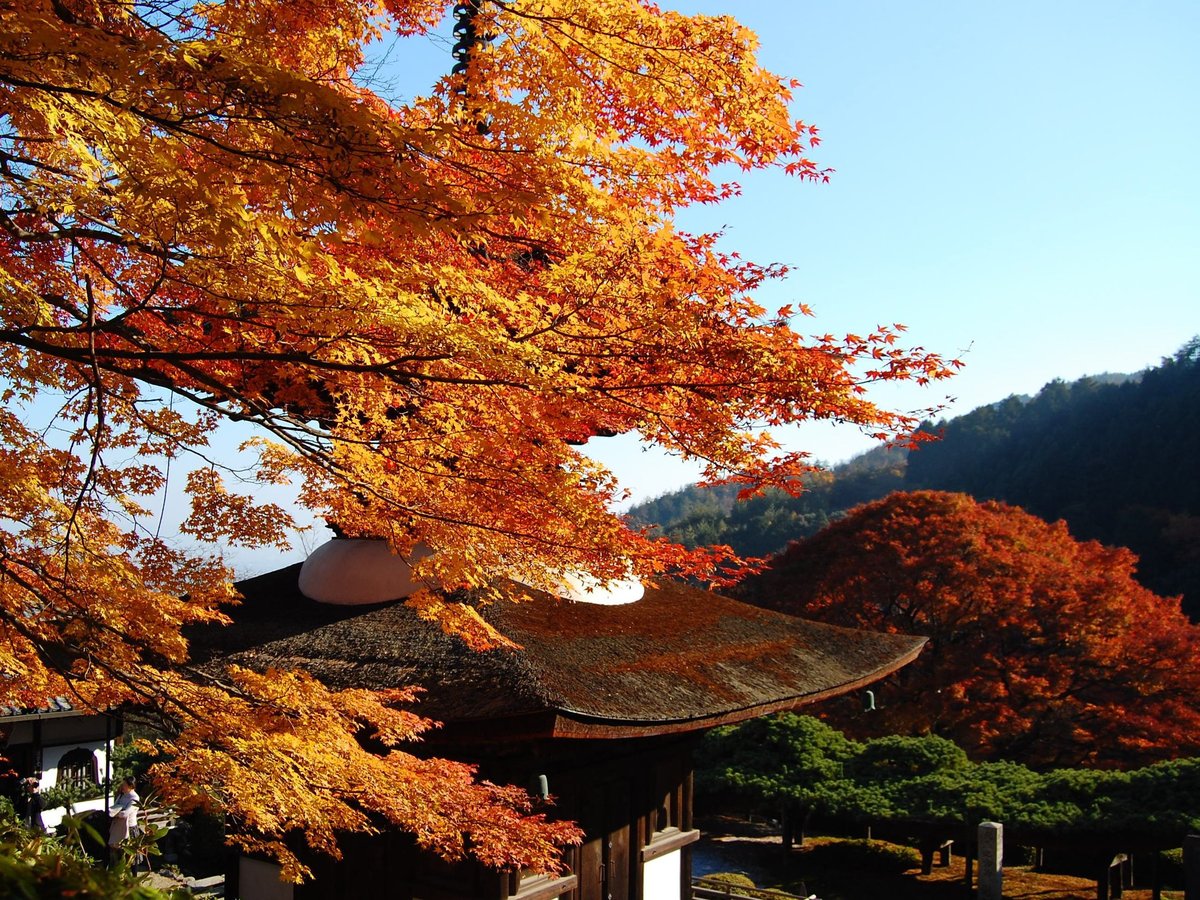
x=734 y=845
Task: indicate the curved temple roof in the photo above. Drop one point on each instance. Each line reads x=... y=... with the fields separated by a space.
x=681 y=659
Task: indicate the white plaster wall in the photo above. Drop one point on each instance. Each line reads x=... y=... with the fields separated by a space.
x=661 y=876
x=52 y=818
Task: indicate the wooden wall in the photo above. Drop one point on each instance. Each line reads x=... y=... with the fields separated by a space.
x=632 y=797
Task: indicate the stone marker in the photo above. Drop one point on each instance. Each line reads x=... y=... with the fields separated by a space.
x=1191 y=867
x=991 y=861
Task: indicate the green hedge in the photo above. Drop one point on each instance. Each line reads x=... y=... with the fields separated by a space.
x=736 y=879
x=798 y=763
x=862 y=856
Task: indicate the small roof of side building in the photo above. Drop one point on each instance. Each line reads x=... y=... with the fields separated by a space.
x=58 y=707
x=680 y=659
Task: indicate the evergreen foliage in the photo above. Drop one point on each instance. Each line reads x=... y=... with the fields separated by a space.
x=803 y=767
x=864 y=856
x=1110 y=457
x=766 y=523
x=66 y=796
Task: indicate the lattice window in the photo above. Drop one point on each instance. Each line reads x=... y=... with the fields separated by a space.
x=78 y=769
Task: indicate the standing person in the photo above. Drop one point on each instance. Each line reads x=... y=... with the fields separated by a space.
x=29 y=803
x=124 y=813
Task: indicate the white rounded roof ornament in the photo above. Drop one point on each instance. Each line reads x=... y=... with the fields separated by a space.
x=580 y=587
x=358 y=572
x=364 y=571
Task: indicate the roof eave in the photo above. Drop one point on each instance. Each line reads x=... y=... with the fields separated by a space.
x=574 y=725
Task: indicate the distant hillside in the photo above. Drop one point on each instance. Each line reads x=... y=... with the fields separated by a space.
x=1115 y=458
x=1113 y=455
x=764 y=525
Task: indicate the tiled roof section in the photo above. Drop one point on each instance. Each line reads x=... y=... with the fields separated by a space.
x=680 y=658
x=58 y=706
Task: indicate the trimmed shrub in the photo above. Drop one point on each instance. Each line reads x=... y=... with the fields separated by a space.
x=863 y=855
x=1170 y=867
x=737 y=879
x=66 y=796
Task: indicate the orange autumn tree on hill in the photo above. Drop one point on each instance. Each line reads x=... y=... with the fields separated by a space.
x=1043 y=649
x=423 y=308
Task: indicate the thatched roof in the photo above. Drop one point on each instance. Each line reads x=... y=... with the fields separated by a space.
x=678 y=660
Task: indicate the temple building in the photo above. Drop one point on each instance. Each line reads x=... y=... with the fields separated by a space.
x=61 y=747
x=600 y=708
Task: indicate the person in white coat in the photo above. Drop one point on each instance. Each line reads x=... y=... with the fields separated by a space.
x=124 y=812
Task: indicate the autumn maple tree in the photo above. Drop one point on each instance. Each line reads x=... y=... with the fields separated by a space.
x=206 y=214
x=1043 y=649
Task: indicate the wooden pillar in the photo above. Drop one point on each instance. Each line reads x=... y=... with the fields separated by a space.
x=927 y=848
x=1123 y=877
x=36 y=761
x=1115 y=875
x=108 y=753
x=686 y=824
x=689 y=784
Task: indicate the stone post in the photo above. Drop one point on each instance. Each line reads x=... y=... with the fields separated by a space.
x=991 y=861
x=1191 y=867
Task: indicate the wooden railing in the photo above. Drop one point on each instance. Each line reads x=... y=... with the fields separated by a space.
x=157 y=817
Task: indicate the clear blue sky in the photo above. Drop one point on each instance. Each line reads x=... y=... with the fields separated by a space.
x=1016 y=182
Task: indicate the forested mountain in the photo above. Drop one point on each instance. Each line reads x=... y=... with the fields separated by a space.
x=1115 y=456
x=1117 y=461
x=765 y=524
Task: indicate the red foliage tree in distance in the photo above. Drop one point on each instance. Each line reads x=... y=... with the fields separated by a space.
x=1043 y=649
